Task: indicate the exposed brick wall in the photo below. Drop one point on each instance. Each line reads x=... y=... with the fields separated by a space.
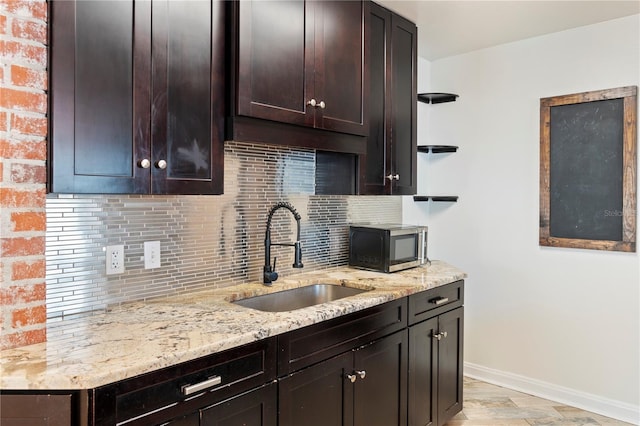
x=23 y=151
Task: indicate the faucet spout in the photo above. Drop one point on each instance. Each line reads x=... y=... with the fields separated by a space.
x=269 y=272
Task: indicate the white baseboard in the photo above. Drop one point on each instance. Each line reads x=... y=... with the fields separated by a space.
x=607 y=407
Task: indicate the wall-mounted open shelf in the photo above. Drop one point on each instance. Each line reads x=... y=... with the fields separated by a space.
x=437 y=149
x=437 y=98
x=436 y=198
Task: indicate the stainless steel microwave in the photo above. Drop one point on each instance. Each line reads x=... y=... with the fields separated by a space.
x=387 y=247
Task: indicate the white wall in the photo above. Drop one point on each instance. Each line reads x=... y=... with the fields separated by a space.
x=563 y=323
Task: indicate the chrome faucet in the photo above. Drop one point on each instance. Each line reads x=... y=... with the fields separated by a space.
x=270 y=273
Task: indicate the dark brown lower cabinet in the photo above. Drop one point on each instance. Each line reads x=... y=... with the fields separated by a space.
x=435 y=369
x=399 y=363
x=362 y=387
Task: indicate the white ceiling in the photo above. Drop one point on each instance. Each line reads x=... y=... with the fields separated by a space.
x=451 y=27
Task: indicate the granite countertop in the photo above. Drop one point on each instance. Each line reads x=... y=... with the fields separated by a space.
x=140 y=337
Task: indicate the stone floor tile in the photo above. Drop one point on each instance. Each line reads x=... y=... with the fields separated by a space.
x=488 y=402
x=511 y=413
x=564 y=421
x=480 y=389
x=488 y=422
x=533 y=401
x=568 y=411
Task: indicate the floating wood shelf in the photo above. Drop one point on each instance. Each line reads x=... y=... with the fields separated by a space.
x=437 y=149
x=437 y=98
x=436 y=198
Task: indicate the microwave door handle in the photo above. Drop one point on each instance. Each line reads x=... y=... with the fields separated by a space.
x=423 y=254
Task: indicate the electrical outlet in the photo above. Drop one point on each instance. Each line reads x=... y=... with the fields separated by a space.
x=151 y=254
x=114 y=258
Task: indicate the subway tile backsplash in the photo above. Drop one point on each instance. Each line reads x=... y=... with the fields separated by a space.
x=206 y=241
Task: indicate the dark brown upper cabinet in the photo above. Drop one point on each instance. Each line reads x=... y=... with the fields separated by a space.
x=137 y=97
x=390 y=164
x=301 y=64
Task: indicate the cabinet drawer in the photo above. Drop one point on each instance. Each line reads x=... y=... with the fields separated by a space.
x=309 y=345
x=164 y=394
x=429 y=303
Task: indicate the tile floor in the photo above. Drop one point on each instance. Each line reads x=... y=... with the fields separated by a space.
x=490 y=405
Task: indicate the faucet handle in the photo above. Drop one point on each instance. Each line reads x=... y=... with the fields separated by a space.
x=270 y=274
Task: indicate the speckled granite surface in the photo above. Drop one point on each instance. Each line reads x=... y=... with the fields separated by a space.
x=142 y=337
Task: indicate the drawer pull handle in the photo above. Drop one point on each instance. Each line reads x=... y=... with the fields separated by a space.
x=191 y=389
x=440 y=300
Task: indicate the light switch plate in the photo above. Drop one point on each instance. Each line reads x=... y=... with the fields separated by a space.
x=152 y=254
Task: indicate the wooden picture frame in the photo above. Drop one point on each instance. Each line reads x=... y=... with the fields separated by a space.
x=588 y=166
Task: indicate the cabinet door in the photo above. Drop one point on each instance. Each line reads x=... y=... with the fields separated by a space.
x=43 y=409
x=404 y=105
x=450 y=365
x=188 y=96
x=377 y=160
x=255 y=408
x=100 y=65
x=380 y=398
x=423 y=358
x=320 y=395
x=391 y=159
x=275 y=60
x=340 y=73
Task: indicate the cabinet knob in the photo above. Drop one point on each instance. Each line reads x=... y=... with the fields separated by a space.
x=352 y=378
x=144 y=163
x=361 y=373
x=161 y=164
x=392 y=177
x=441 y=335
x=317 y=104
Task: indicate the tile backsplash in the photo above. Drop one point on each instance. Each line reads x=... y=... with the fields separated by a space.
x=206 y=241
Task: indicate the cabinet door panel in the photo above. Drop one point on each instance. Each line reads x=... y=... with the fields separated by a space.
x=110 y=136
x=97 y=137
x=275 y=62
x=450 y=364
x=319 y=395
x=422 y=373
x=192 y=419
x=340 y=66
x=404 y=104
x=255 y=408
x=380 y=398
x=187 y=88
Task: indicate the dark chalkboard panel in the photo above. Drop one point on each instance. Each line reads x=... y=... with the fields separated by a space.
x=588 y=164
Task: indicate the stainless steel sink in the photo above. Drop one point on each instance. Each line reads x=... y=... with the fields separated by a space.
x=298 y=298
